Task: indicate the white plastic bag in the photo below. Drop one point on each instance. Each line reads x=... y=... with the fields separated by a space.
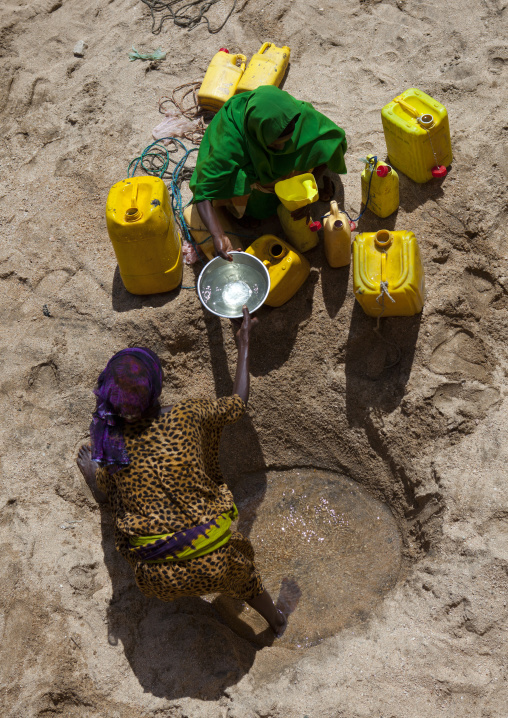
x=174 y=124
x=190 y=256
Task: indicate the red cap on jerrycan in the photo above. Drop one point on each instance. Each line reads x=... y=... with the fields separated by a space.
x=224 y=49
x=439 y=171
x=314 y=226
x=383 y=170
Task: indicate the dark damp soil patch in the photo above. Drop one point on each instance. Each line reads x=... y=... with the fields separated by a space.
x=327 y=551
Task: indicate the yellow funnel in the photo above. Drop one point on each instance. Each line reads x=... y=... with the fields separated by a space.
x=298 y=191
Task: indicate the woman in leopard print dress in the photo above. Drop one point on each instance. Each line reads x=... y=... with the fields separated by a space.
x=159 y=470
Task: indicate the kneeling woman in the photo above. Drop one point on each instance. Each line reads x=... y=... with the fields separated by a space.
x=159 y=470
x=256 y=139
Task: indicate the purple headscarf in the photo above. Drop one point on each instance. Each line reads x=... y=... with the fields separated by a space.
x=130 y=385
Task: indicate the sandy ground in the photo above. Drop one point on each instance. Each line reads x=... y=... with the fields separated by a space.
x=428 y=436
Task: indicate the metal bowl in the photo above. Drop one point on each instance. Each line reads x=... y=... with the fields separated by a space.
x=225 y=287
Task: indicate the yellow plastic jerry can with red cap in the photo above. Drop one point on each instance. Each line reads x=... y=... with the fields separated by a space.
x=221 y=80
x=294 y=193
x=266 y=67
x=144 y=235
x=288 y=269
x=417 y=135
x=388 y=276
x=380 y=187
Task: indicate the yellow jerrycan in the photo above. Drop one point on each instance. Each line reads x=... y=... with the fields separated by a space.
x=221 y=80
x=287 y=268
x=388 y=277
x=266 y=67
x=337 y=237
x=294 y=193
x=301 y=234
x=383 y=194
x=417 y=135
x=144 y=235
x=200 y=233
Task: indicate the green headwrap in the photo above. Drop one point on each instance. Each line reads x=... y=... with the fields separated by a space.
x=234 y=152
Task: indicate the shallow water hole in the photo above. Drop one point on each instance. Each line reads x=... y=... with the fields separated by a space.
x=327 y=551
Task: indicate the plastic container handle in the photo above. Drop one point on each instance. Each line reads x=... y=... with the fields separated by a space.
x=134 y=196
x=407 y=107
x=334 y=208
x=264 y=47
x=243 y=60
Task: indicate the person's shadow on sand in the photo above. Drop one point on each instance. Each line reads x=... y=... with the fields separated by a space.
x=177 y=649
x=182 y=648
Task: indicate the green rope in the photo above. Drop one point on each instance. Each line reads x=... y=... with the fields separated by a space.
x=156 y=160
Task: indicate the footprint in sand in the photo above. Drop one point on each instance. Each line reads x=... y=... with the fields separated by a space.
x=463 y=356
x=459 y=400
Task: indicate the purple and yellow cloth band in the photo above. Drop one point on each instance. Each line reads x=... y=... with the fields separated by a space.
x=184 y=545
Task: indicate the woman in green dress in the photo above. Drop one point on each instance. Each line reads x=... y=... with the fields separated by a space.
x=255 y=140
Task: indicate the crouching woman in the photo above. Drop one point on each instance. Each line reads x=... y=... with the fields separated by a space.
x=158 y=468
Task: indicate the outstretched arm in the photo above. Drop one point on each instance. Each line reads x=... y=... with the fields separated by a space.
x=241 y=385
x=221 y=241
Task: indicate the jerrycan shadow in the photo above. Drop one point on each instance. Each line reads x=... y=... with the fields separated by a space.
x=124 y=301
x=378 y=364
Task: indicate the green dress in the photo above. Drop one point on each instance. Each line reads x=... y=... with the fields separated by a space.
x=234 y=153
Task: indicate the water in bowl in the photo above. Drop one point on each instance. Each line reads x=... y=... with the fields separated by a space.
x=232 y=286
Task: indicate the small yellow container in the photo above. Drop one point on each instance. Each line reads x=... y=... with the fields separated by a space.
x=297 y=230
x=417 y=134
x=287 y=268
x=337 y=237
x=384 y=187
x=297 y=191
x=144 y=235
x=388 y=277
x=221 y=80
x=266 y=67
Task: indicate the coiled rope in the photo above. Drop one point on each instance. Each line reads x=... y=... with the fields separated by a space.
x=184 y=13
x=156 y=160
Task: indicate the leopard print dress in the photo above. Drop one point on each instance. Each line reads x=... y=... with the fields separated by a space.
x=173 y=482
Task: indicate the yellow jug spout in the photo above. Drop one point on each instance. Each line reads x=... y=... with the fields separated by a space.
x=133 y=213
x=383 y=239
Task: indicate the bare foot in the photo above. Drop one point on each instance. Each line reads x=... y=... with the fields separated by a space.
x=327 y=192
x=264 y=605
x=88 y=468
x=281 y=623
x=247 y=222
